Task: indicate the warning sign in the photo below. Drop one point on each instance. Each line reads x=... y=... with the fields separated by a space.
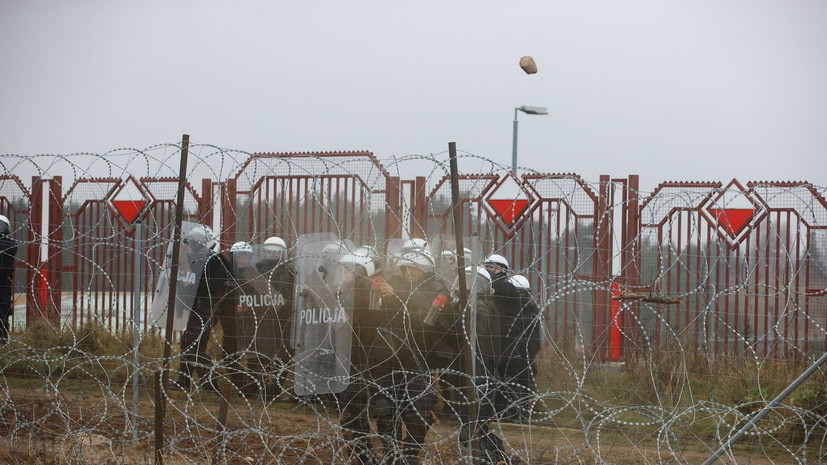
x=130 y=201
x=509 y=202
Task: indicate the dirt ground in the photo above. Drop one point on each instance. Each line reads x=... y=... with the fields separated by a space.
x=44 y=428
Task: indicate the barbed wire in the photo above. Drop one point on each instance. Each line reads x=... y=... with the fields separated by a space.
x=665 y=321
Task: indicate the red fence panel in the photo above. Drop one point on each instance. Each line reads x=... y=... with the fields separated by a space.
x=288 y=195
x=98 y=257
x=548 y=234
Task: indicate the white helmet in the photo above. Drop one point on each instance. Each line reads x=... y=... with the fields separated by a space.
x=520 y=282
x=368 y=251
x=5 y=224
x=498 y=260
x=354 y=259
x=414 y=243
x=477 y=277
x=241 y=246
x=418 y=258
x=274 y=244
x=202 y=235
x=335 y=247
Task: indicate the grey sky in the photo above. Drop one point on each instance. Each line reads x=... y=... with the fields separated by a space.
x=700 y=90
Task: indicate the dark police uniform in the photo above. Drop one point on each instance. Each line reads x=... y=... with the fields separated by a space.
x=404 y=351
x=8 y=254
x=215 y=302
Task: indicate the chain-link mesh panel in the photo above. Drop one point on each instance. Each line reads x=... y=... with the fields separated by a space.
x=663 y=321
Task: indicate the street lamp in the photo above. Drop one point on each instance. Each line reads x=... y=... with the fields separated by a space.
x=529 y=110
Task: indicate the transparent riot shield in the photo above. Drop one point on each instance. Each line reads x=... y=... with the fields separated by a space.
x=261 y=295
x=394 y=249
x=192 y=259
x=445 y=252
x=322 y=332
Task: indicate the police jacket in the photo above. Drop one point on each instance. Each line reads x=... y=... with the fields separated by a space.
x=365 y=302
x=521 y=328
x=280 y=282
x=8 y=254
x=402 y=338
x=213 y=294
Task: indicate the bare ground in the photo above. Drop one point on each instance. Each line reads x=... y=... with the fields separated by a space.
x=44 y=428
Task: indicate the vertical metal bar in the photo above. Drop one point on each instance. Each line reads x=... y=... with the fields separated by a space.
x=514 y=144
x=797 y=278
x=469 y=314
x=757 y=300
x=560 y=308
x=776 y=285
x=162 y=377
x=136 y=324
x=676 y=272
x=700 y=281
x=305 y=216
x=633 y=265
x=78 y=295
x=659 y=266
x=602 y=236
x=753 y=261
x=807 y=281
x=722 y=245
x=741 y=283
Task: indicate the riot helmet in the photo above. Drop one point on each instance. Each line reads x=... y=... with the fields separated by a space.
x=275 y=248
x=365 y=256
x=241 y=247
x=497 y=266
x=368 y=251
x=477 y=279
x=201 y=236
x=5 y=225
x=417 y=258
x=415 y=264
x=520 y=282
x=497 y=260
x=359 y=262
x=242 y=254
x=414 y=243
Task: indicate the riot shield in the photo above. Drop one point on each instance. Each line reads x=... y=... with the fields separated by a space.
x=261 y=297
x=394 y=249
x=445 y=251
x=193 y=257
x=322 y=332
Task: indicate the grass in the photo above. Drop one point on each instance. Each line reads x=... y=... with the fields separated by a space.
x=585 y=397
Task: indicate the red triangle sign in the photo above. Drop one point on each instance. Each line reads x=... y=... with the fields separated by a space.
x=129 y=209
x=733 y=220
x=509 y=209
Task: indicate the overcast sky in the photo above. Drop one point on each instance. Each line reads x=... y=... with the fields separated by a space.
x=692 y=90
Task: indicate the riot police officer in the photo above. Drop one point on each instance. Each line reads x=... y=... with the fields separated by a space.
x=8 y=254
x=484 y=374
x=214 y=302
x=403 y=352
x=271 y=350
x=521 y=340
x=362 y=266
x=245 y=277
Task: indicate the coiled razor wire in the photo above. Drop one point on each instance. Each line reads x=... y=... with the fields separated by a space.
x=751 y=318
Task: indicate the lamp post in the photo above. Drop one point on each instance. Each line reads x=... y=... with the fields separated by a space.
x=529 y=110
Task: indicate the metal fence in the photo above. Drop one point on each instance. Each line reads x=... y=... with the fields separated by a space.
x=746 y=261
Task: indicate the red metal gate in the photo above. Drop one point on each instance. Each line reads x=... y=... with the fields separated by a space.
x=747 y=261
x=99 y=247
x=547 y=226
x=288 y=195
